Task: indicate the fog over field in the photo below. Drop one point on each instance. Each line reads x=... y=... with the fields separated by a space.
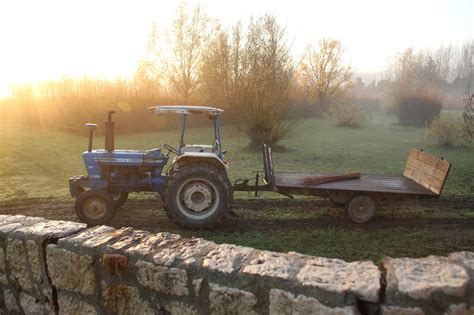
x=51 y=39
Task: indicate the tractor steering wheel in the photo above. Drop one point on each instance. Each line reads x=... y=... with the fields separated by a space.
x=170 y=149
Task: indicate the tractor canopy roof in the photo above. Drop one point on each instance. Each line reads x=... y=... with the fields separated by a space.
x=185 y=110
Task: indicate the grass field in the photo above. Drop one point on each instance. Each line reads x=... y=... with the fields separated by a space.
x=38 y=163
x=35 y=165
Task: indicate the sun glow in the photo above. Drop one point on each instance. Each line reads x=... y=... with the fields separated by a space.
x=51 y=39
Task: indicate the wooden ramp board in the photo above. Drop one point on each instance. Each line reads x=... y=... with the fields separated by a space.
x=392 y=184
x=427 y=170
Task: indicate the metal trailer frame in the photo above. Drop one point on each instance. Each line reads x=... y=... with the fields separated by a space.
x=417 y=182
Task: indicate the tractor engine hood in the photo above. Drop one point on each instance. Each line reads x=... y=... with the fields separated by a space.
x=135 y=158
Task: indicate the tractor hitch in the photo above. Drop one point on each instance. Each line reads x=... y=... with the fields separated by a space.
x=242 y=184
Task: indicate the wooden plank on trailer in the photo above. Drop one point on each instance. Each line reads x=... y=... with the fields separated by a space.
x=427 y=170
x=434 y=161
x=439 y=168
x=394 y=184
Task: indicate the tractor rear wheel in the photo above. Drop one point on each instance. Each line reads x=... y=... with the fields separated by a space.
x=120 y=198
x=198 y=195
x=95 y=207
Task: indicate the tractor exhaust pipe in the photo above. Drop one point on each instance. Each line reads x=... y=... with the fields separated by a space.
x=109 y=133
x=92 y=128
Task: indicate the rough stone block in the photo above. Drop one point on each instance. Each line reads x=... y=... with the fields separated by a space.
x=152 y=243
x=466 y=260
x=10 y=301
x=47 y=229
x=197 y=284
x=3 y=217
x=460 y=309
x=189 y=251
x=19 y=218
x=70 y=271
x=271 y=264
x=36 y=264
x=397 y=310
x=180 y=308
x=225 y=300
x=128 y=240
x=7 y=219
x=114 y=264
x=282 y=302
x=3 y=276
x=68 y=305
x=172 y=281
x=2 y=260
x=3 y=279
x=17 y=221
x=30 y=305
x=420 y=278
x=361 y=278
x=93 y=233
x=226 y=258
x=124 y=299
x=4 y=229
x=106 y=239
x=18 y=264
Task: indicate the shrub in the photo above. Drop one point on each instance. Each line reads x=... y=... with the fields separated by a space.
x=348 y=115
x=269 y=132
x=252 y=73
x=468 y=117
x=446 y=130
x=418 y=110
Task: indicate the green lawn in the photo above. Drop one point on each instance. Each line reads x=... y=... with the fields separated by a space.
x=36 y=163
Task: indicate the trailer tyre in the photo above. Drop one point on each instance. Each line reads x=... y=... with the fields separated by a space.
x=361 y=208
x=95 y=207
x=198 y=195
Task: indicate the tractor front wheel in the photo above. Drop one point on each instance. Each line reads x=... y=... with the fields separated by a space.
x=95 y=207
x=198 y=195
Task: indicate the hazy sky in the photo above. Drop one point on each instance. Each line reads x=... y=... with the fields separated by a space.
x=49 y=39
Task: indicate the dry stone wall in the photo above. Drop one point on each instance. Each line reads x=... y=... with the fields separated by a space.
x=60 y=267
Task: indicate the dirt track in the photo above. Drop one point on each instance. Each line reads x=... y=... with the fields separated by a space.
x=147 y=214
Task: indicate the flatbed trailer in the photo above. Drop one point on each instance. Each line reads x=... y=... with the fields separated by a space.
x=424 y=177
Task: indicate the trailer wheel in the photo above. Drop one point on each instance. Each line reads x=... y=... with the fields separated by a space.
x=360 y=208
x=198 y=195
x=95 y=207
x=120 y=198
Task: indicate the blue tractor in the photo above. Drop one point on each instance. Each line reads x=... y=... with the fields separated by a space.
x=196 y=191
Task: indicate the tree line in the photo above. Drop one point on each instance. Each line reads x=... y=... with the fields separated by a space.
x=250 y=72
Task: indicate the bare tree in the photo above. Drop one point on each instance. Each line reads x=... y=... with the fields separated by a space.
x=187 y=40
x=251 y=74
x=324 y=74
x=444 y=57
x=148 y=80
x=175 y=58
x=216 y=70
x=465 y=64
x=468 y=117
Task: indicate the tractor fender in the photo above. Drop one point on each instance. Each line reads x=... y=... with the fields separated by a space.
x=196 y=157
